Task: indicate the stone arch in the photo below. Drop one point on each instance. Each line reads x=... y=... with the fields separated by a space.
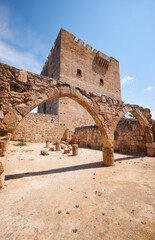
x=137 y=113
x=16 y=115
x=87 y=101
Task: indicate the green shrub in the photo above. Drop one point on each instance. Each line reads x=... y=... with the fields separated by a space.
x=20 y=144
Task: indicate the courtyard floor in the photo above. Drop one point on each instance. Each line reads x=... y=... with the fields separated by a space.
x=61 y=197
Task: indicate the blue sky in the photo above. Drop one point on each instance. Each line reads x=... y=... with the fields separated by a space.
x=124 y=29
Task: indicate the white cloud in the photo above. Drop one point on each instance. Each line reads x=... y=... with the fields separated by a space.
x=20 y=59
x=149 y=88
x=21 y=48
x=126 y=79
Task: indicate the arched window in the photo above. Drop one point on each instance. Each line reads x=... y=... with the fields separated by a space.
x=79 y=73
x=101 y=82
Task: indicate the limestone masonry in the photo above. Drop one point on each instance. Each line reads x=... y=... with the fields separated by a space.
x=72 y=71
x=129 y=135
x=74 y=62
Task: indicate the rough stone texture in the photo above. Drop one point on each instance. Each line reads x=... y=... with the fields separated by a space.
x=88 y=136
x=37 y=128
x=95 y=67
x=150 y=149
x=66 y=150
x=75 y=149
x=44 y=152
x=19 y=95
x=108 y=156
x=129 y=136
x=57 y=146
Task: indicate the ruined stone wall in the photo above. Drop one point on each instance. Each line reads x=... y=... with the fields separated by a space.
x=129 y=136
x=37 y=128
x=88 y=136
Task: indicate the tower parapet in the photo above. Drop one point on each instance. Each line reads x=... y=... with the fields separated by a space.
x=77 y=63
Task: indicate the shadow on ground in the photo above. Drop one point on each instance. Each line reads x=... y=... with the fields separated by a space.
x=66 y=169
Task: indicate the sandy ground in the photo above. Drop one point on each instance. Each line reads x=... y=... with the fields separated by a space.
x=61 y=197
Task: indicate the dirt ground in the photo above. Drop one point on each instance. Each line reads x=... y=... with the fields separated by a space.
x=61 y=197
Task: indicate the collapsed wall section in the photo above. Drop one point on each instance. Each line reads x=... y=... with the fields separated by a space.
x=129 y=136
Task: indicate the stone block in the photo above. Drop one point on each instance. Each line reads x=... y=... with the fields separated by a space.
x=151 y=149
x=57 y=146
x=66 y=150
x=44 y=152
x=75 y=149
x=108 y=156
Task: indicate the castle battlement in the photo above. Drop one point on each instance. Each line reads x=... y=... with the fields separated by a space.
x=75 y=62
x=79 y=45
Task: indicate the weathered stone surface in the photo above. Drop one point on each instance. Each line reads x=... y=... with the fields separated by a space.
x=66 y=150
x=19 y=92
x=151 y=149
x=75 y=149
x=108 y=156
x=57 y=146
x=22 y=77
x=52 y=148
x=44 y=152
x=47 y=144
x=37 y=128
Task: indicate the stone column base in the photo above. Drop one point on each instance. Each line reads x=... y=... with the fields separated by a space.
x=2 y=169
x=108 y=156
x=150 y=149
x=3 y=147
x=2 y=176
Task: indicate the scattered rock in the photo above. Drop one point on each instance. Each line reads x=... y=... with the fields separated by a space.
x=99 y=194
x=52 y=148
x=66 y=150
x=44 y=152
x=143 y=222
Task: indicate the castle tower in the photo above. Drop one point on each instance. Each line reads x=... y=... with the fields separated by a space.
x=75 y=63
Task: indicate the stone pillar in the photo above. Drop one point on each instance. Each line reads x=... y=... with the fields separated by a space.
x=150 y=149
x=57 y=146
x=3 y=147
x=75 y=149
x=47 y=144
x=108 y=156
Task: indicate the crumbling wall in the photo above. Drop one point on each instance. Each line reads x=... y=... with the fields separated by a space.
x=129 y=136
x=37 y=128
x=88 y=136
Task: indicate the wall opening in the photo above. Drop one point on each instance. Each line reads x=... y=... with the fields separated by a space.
x=79 y=73
x=101 y=82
